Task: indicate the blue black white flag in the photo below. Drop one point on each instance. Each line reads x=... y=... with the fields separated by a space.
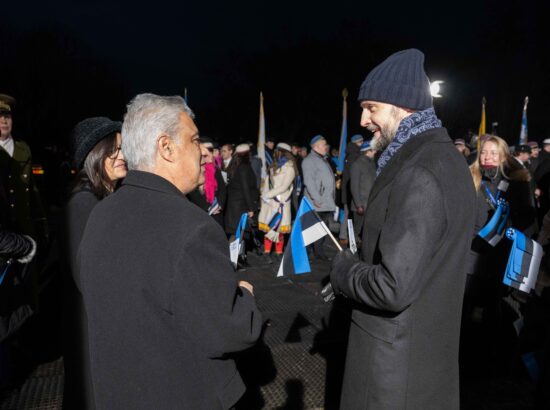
x=523 y=264
x=215 y=206
x=236 y=247
x=495 y=229
x=307 y=228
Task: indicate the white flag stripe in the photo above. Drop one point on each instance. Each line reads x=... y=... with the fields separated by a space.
x=313 y=233
x=280 y=271
x=531 y=279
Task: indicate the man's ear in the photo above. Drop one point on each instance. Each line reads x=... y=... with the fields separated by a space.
x=165 y=148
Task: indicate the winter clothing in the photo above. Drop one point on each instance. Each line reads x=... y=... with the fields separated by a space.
x=87 y=133
x=276 y=196
x=409 y=127
x=399 y=80
x=78 y=387
x=404 y=336
x=363 y=173
x=242 y=195
x=319 y=182
x=163 y=304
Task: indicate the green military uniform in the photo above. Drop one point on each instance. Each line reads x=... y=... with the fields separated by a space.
x=26 y=214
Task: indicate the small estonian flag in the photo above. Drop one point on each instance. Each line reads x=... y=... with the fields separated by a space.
x=495 y=229
x=307 y=228
x=215 y=206
x=523 y=264
x=236 y=247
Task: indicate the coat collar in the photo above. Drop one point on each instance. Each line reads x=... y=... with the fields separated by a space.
x=435 y=135
x=151 y=181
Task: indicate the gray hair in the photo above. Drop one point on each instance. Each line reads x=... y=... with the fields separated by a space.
x=148 y=116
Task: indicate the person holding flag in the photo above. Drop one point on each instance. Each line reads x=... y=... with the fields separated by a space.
x=407 y=288
x=497 y=177
x=275 y=213
x=242 y=191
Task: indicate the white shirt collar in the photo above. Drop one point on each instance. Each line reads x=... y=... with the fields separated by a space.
x=8 y=145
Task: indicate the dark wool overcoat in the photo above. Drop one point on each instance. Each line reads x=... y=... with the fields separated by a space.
x=163 y=304
x=78 y=388
x=404 y=335
x=243 y=195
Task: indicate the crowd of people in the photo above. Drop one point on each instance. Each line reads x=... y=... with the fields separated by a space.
x=150 y=325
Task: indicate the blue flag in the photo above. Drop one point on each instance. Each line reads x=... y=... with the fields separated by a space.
x=307 y=229
x=495 y=229
x=343 y=135
x=523 y=264
x=235 y=247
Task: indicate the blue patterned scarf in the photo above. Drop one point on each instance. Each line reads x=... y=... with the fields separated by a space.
x=409 y=127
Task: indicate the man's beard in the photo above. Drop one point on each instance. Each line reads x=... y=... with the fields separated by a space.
x=387 y=132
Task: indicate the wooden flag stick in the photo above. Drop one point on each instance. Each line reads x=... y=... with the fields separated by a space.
x=329 y=233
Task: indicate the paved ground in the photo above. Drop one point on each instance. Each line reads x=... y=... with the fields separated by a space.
x=298 y=363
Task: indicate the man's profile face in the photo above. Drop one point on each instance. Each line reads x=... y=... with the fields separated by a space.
x=270 y=144
x=188 y=154
x=6 y=124
x=321 y=147
x=382 y=120
x=227 y=152
x=535 y=152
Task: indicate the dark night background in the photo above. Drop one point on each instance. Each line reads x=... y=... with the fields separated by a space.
x=65 y=61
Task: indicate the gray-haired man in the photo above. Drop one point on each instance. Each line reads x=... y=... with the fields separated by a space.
x=164 y=307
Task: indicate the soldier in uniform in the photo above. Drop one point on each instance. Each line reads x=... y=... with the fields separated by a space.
x=26 y=214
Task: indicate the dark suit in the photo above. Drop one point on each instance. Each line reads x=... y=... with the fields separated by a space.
x=404 y=335
x=163 y=305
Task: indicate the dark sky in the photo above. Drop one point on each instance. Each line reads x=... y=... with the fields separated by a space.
x=65 y=61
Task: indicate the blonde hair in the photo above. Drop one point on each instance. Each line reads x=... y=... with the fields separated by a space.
x=504 y=156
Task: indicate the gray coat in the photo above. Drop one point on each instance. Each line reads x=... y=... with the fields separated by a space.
x=363 y=173
x=408 y=289
x=163 y=305
x=319 y=182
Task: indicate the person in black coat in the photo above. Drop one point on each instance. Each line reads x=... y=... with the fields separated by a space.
x=486 y=264
x=407 y=288
x=97 y=155
x=242 y=192
x=165 y=310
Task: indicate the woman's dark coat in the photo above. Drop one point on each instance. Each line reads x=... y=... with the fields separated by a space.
x=163 y=303
x=78 y=388
x=404 y=335
x=242 y=195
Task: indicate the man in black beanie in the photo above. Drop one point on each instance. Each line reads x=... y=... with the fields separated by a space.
x=408 y=286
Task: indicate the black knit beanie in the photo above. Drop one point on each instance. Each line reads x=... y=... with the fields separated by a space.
x=399 y=80
x=87 y=133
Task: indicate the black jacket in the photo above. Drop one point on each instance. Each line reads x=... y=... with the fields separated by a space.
x=242 y=195
x=408 y=289
x=163 y=303
x=78 y=388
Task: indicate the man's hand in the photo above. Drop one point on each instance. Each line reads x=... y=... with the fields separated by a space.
x=247 y=286
x=538 y=192
x=251 y=214
x=360 y=210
